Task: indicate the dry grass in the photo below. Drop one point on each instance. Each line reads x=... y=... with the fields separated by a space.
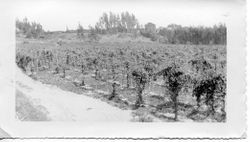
x=26 y=110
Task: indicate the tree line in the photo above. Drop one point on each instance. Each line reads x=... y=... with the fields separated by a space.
x=29 y=29
x=110 y=23
x=193 y=35
x=125 y=22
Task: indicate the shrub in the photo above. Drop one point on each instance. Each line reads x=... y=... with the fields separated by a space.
x=174 y=80
x=140 y=79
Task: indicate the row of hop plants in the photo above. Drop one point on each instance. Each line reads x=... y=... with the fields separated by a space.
x=208 y=87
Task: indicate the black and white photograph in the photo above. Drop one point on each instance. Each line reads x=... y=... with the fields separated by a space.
x=137 y=62
x=121 y=68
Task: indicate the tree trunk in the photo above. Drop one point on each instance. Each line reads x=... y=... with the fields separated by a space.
x=113 y=94
x=128 y=80
x=49 y=63
x=57 y=70
x=82 y=83
x=96 y=73
x=67 y=60
x=175 y=107
x=37 y=61
x=63 y=76
x=174 y=100
x=215 y=66
x=149 y=82
x=139 y=101
x=198 y=101
x=82 y=67
x=212 y=106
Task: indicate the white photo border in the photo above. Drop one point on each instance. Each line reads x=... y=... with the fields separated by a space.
x=234 y=127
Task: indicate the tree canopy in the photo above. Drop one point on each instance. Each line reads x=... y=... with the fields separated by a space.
x=29 y=29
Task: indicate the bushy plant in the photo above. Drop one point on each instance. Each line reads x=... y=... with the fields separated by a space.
x=174 y=80
x=140 y=78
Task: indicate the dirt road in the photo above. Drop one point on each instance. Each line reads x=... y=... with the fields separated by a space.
x=61 y=105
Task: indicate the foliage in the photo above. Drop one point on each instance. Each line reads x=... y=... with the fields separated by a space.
x=111 y=23
x=80 y=31
x=209 y=87
x=29 y=29
x=138 y=64
x=114 y=23
x=174 y=81
x=176 y=34
x=113 y=65
x=149 y=31
x=92 y=35
x=23 y=61
x=141 y=79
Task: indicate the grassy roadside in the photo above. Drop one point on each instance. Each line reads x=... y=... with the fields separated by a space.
x=26 y=110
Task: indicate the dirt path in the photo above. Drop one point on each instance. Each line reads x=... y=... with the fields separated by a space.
x=68 y=106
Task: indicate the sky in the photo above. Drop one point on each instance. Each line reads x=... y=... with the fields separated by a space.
x=55 y=15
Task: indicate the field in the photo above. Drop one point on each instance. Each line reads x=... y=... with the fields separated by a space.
x=170 y=82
